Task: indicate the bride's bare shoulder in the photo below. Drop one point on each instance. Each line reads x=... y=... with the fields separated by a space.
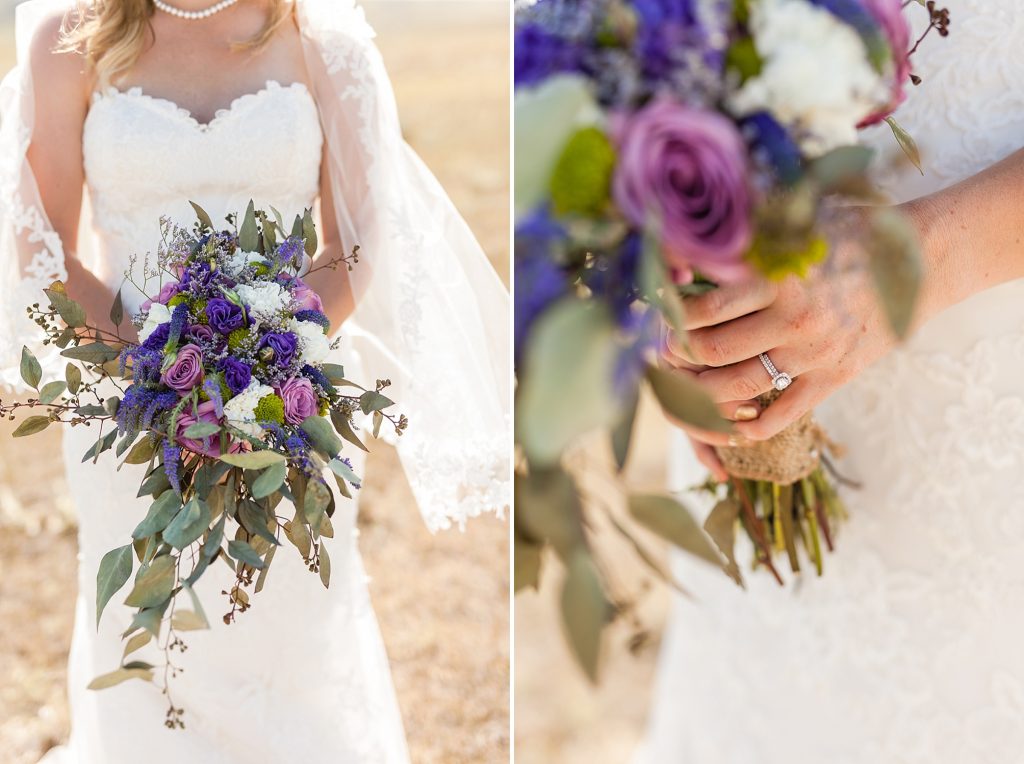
x=59 y=70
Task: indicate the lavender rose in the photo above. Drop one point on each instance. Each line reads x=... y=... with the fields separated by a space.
x=684 y=169
x=200 y=333
x=167 y=291
x=306 y=298
x=889 y=15
x=299 y=399
x=187 y=370
x=224 y=315
x=210 y=445
x=237 y=375
x=282 y=346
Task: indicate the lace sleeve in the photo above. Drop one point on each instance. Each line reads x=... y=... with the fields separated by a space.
x=431 y=313
x=31 y=253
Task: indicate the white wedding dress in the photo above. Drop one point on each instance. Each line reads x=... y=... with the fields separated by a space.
x=908 y=650
x=302 y=676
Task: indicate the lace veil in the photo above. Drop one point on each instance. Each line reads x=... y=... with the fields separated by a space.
x=432 y=316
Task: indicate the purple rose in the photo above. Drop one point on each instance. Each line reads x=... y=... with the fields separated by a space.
x=237 y=375
x=300 y=402
x=684 y=170
x=210 y=445
x=187 y=370
x=200 y=333
x=889 y=15
x=224 y=315
x=167 y=291
x=283 y=345
x=306 y=297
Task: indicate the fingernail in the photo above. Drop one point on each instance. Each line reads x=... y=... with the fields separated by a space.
x=746 y=413
x=738 y=441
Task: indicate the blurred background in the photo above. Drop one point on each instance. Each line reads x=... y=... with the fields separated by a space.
x=442 y=600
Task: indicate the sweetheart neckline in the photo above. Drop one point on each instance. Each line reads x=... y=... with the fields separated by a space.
x=219 y=116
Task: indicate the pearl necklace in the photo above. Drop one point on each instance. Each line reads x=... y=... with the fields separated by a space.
x=193 y=15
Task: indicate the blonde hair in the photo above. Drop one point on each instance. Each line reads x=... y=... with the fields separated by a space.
x=111 y=33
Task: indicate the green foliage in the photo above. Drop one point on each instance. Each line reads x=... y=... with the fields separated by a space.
x=582 y=176
x=585 y=611
x=896 y=267
x=114 y=571
x=189 y=524
x=31 y=371
x=322 y=436
x=154 y=583
x=686 y=400
x=31 y=426
x=672 y=521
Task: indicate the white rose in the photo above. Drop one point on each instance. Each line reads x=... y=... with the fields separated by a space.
x=158 y=314
x=314 y=347
x=816 y=77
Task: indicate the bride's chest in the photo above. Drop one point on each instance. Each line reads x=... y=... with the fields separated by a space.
x=139 y=148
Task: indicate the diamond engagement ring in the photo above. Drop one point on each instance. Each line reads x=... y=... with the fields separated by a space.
x=780 y=379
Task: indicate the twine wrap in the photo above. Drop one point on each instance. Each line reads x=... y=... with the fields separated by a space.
x=790 y=456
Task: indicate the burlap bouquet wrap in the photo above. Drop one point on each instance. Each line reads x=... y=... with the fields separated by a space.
x=790 y=456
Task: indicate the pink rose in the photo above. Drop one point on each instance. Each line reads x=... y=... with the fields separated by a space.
x=684 y=170
x=306 y=297
x=187 y=370
x=210 y=445
x=889 y=15
x=167 y=291
x=299 y=399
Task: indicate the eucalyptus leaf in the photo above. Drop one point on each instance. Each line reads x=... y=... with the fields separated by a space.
x=244 y=553
x=672 y=521
x=895 y=259
x=203 y=216
x=567 y=388
x=73 y=377
x=114 y=572
x=153 y=587
x=547 y=508
x=248 y=234
x=335 y=373
x=322 y=435
x=585 y=611
x=117 y=310
x=907 y=143
x=309 y=232
x=104 y=443
x=254 y=519
x=298 y=534
x=160 y=513
x=720 y=525
x=622 y=434
x=31 y=371
x=31 y=426
x=149 y=619
x=371 y=400
x=685 y=400
x=137 y=642
x=120 y=675
x=215 y=539
x=265 y=570
x=836 y=168
x=526 y=561
x=70 y=311
x=315 y=503
x=343 y=470
x=269 y=480
x=188 y=620
x=96 y=353
x=52 y=391
x=189 y=524
x=201 y=430
x=254 y=460
x=344 y=428
x=325 y=567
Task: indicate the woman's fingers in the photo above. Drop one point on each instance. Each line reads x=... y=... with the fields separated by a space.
x=739 y=339
x=748 y=379
x=728 y=302
x=796 y=400
x=706 y=455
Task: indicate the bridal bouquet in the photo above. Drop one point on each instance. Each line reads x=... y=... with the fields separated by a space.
x=664 y=147
x=228 y=400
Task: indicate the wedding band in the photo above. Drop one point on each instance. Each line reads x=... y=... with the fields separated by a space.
x=780 y=379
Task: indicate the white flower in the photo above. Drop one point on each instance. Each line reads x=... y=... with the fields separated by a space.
x=314 y=346
x=816 y=77
x=240 y=411
x=264 y=299
x=158 y=314
x=234 y=264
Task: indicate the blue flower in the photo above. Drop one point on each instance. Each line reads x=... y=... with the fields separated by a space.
x=540 y=54
x=539 y=280
x=283 y=345
x=158 y=338
x=315 y=316
x=237 y=375
x=224 y=315
x=318 y=378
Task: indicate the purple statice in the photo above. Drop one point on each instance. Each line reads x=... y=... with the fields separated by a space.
x=539 y=280
x=282 y=345
x=290 y=251
x=319 y=379
x=772 y=147
x=315 y=316
x=237 y=375
x=179 y=323
x=172 y=464
x=197 y=277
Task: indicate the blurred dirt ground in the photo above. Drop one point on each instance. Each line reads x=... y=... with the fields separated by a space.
x=442 y=600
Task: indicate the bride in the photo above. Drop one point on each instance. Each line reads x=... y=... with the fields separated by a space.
x=907 y=650
x=120 y=112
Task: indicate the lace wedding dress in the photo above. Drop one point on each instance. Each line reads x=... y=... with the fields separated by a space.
x=907 y=651
x=303 y=675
